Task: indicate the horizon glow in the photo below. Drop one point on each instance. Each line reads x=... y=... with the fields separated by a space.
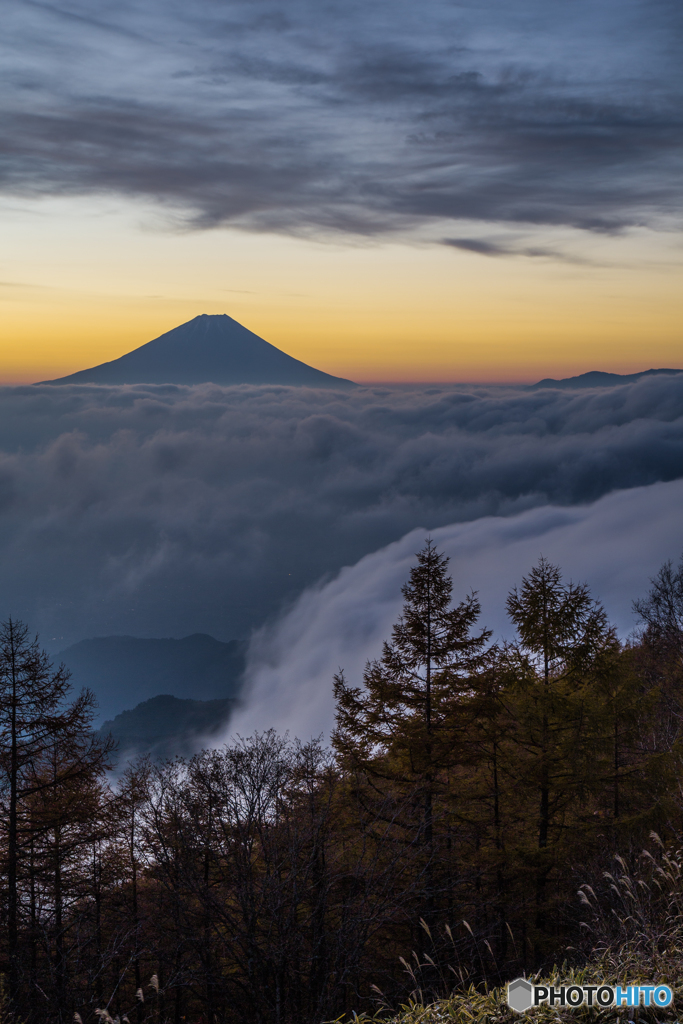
x=455 y=194
x=384 y=311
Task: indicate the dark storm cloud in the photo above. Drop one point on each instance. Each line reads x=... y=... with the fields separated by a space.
x=167 y=510
x=355 y=117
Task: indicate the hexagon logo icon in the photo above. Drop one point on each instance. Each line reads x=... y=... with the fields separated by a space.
x=520 y=995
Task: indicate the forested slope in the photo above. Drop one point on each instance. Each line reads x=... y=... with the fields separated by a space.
x=471 y=792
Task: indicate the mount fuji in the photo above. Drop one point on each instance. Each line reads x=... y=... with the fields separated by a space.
x=208 y=349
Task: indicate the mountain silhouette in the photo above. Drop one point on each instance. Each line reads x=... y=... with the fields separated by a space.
x=124 y=670
x=208 y=349
x=598 y=379
x=164 y=726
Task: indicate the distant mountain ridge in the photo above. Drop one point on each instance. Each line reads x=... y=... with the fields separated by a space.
x=598 y=379
x=166 y=726
x=122 y=671
x=207 y=349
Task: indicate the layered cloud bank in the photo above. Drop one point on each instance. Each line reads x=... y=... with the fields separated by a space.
x=355 y=117
x=161 y=511
x=614 y=544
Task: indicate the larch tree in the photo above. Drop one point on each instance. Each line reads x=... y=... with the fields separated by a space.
x=564 y=642
x=127 y=805
x=45 y=746
x=31 y=695
x=67 y=819
x=659 y=653
x=661 y=612
x=403 y=725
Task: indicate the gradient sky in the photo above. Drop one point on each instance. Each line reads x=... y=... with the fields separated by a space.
x=389 y=191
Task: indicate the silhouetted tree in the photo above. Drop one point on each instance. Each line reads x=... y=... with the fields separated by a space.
x=564 y=638
x=49 y=765
x=662 y=610
x=658 y=654
x=403 y=726
x=32 y=694
x=470 y=789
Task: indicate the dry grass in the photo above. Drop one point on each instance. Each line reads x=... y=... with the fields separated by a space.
x=476 y=1007
x=633 y=928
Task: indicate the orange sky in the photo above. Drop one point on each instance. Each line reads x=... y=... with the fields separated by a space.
x=83 y=281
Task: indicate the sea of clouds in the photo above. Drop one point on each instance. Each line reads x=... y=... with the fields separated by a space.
x=613 y=544
x=164 y=510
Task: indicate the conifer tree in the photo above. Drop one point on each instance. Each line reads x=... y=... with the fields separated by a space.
x=127 y=807
x=634 y=772
x=662 y=610
x=66 y=820
x=30 y=696
x=564 y=642
x=402 y=725
x=46 y=749
x=660 y=651
x=562 y=633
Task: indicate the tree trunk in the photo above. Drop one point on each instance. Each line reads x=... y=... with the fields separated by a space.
x=60 y=965
x=13 y=839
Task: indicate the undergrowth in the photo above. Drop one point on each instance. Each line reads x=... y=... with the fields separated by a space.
x=633 y=930
x=476 y=1006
